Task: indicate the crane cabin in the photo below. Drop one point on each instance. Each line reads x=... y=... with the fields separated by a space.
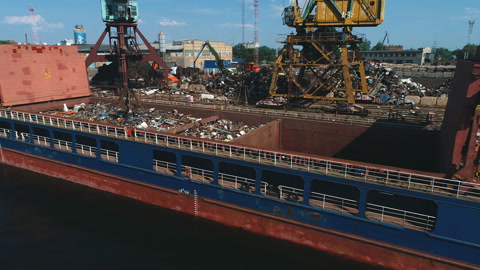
x=334 y=13
x=118 y=11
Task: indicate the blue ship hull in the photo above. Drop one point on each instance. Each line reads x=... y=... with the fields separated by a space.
x=396 y=219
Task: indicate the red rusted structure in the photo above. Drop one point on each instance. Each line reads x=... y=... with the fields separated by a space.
x=461 y=126
x=124 y=47
x=45 y=73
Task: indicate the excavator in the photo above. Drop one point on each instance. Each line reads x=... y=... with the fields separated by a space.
x=322 y=59
x=218 y=60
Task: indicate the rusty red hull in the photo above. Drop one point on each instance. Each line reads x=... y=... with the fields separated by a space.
x=331 y=241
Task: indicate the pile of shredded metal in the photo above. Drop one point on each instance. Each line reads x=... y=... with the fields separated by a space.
x=155 y=120
x=253 y=88
x=238 y=87
x=222 y=130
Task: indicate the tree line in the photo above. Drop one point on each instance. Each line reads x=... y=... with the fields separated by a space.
x=265 y=54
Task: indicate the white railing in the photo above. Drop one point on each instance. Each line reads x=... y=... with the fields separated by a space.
x=86 y=150
x=5 y=132
x=400 y=217
x=241 y=183
x=22 y=136
x=172 y=167
x=333 y=203
x=351 y=171
x=197 y=174
x=290 y=193
x=62 y=145
x=41 y=140
x=109 y=155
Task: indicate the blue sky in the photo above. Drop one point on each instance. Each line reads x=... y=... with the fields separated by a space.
x=411 y=23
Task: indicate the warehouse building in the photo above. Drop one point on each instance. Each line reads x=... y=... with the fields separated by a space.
x=397 y=55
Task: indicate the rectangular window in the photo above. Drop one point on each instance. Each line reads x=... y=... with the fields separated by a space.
x=109 y=150
x=41 y=136
x=22 y=133
x=86 y=146
x=399 y=210
x=62 y=141
x=164 y=162
x=197 y=169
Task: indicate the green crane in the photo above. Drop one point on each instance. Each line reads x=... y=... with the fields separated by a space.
x=218 y=61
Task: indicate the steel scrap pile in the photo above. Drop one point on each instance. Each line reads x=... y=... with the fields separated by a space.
x=239 y=87
x=254 y=86
x=222 y=130
x=248 y=87
x=386 y=87
x=155 y=120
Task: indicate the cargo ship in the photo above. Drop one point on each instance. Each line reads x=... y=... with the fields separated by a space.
x=384 y=194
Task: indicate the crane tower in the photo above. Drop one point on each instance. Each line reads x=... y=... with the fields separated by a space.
x=33 y=20
x=322 y=59
x=121 y=17
x=469 y=35
x=255 y=35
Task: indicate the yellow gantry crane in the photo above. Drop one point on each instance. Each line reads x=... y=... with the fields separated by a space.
x=322 y=59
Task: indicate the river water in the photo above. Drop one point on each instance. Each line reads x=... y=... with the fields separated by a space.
x=48 y=223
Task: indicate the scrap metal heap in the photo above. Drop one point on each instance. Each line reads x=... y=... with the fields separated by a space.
x=240 y=88
x=395 y=98
x=252 y=87
x=309 y=65
x=153 y=119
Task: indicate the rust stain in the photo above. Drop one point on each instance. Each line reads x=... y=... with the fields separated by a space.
x=61 y=66
x=314 y=216
x=26 y=71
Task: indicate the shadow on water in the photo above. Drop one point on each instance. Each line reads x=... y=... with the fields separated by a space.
x=47 y=223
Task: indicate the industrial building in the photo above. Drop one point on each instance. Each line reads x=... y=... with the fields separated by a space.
x=180 y=52
x=397 y=55
x=251 y=44
x=184 y=52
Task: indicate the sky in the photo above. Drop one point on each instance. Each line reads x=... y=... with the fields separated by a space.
x=411 y=23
